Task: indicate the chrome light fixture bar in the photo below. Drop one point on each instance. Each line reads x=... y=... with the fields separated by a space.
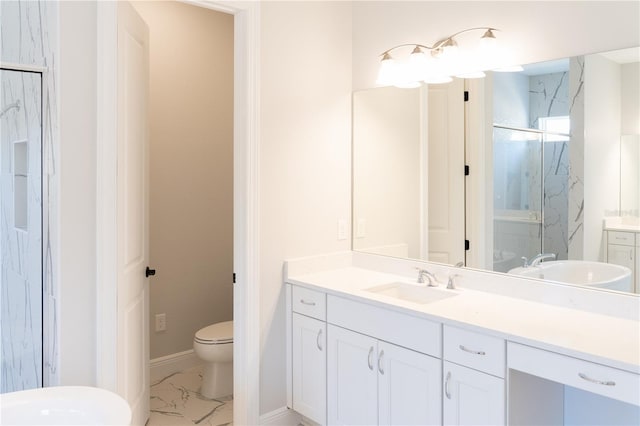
x=438 y=63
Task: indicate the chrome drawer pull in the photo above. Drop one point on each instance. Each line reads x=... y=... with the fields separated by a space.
x=304 y=302
x=318 y=339
x=472 y=351
x=597 y=382
x=446 y=386
x=370 y=358
x=380 y=368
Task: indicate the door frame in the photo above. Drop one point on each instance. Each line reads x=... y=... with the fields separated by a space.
x=246 y=302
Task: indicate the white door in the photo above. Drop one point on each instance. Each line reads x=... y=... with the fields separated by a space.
x=409 y=390
x=352 y=378
x=446 y=172
x=471 y=397
x=309 y=342
x=132 y=213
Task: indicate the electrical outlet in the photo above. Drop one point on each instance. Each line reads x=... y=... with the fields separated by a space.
x=161 y=322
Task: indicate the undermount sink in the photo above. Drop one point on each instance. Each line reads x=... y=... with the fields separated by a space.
x=580 y=272
x=416 y=293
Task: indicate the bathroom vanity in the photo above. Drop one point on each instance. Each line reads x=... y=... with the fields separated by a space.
x=368 y=345
x=622 y=242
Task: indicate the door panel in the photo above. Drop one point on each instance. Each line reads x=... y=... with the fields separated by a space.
x=132 y=207
x=446 y=173
x=352 y=378
x=408 y=387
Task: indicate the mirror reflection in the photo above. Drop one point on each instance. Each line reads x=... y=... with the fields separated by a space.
x=561 y=167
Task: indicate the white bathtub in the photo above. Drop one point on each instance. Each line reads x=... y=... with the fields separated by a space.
x=581 y=272
x=64 y=405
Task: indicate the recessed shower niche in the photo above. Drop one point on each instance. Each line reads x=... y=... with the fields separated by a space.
x=20 y=179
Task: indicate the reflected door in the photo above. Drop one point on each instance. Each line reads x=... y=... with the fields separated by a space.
x=21 y=230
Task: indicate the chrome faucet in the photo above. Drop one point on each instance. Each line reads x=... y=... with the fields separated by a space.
x=535 y=261
x=432 y=280
x=451 y=283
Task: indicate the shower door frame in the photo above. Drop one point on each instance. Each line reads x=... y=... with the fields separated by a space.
x=50 y=330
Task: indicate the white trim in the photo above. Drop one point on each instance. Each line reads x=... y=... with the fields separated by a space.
x=106 y=195
x=164 y=366
x=22 y=67
x=246 y=202
x=280 y=417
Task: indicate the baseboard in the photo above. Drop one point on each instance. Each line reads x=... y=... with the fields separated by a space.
x=281 y=417
x=162 y=367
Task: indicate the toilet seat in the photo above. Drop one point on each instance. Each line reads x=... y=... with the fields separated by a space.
x=215 y=334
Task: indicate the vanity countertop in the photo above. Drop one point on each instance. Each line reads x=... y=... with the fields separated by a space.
x=582 y=334
x=624 y=224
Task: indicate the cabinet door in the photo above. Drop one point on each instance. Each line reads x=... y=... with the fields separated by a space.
x=309 y=361
x=472 y=397
x=625 y=256
x=409 y=391
x=352 y=378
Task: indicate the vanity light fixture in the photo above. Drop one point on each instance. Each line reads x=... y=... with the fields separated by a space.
x=438 y=63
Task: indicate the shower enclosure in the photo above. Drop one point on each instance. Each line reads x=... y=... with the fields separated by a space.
x=21 y=222
x=531 y=145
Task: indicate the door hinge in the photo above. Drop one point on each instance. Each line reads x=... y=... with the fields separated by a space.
x=466 y=244
x=466 y=170
x=466 y=96
x=234 y=277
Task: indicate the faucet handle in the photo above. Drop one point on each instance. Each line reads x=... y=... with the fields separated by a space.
x=525 y=262
x=451 y=284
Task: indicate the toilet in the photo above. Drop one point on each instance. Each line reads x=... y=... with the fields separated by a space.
x=214 y=345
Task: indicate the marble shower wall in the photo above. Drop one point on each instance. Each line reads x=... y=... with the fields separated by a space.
x=576 y=159
x=549 y=97
x=28 y=38
x=20 y=230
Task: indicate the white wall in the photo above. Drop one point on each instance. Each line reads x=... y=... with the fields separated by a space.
x=630 y=93
x=531 y=31
x=77 y=165
x=601 y=150
x=305 y=170
x=191 y=170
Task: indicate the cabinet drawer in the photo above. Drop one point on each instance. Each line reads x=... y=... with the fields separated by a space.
x=622 y=238
x=309 y=302
x=475 y=350
x=597 y=378
x=404 y=330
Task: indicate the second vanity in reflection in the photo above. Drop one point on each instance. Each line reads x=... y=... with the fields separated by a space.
x=368 y=345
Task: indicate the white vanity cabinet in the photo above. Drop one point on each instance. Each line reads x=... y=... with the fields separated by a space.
x=309 y=353
x=473 y=378
x=309 y=342
x=622 y=249
x=383 y=367
x=374 y=382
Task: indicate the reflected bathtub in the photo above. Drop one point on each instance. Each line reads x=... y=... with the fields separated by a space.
x=581 y=272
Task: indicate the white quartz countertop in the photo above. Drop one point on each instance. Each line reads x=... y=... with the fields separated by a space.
x=590 y=336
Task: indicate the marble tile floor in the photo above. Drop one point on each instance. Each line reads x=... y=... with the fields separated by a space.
x=175 y=401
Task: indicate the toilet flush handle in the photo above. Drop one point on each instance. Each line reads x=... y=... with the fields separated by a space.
x=149 y=272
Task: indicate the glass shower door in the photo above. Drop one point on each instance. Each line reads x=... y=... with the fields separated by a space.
x=21 y=291
x=517 y=196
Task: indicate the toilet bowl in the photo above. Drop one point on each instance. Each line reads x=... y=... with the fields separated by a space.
x=214 y=345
